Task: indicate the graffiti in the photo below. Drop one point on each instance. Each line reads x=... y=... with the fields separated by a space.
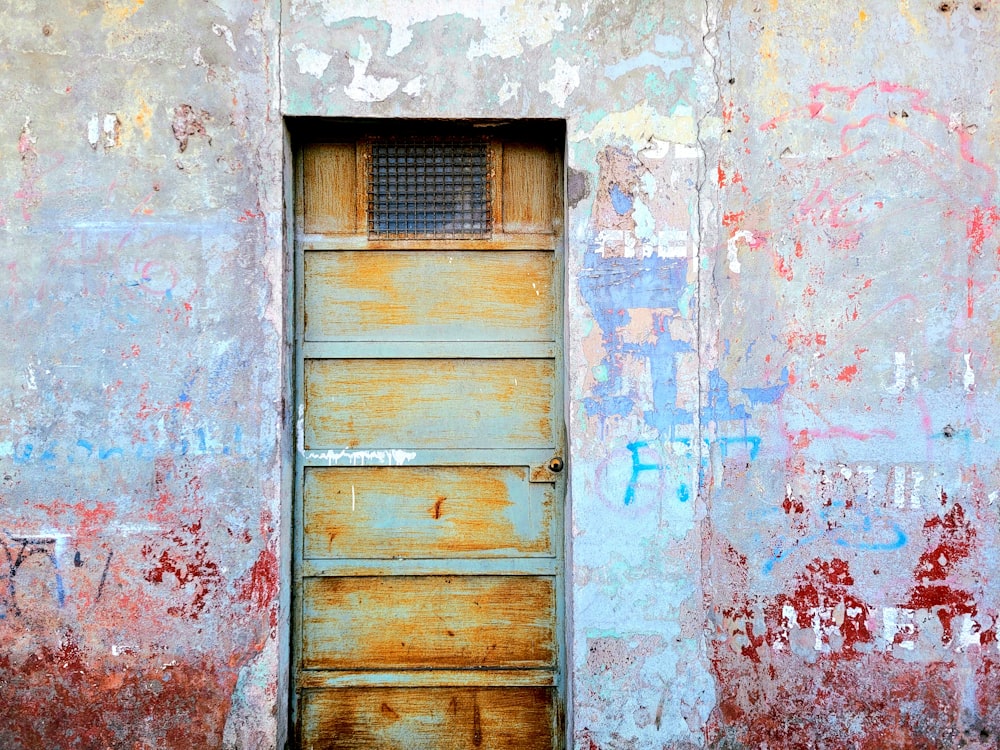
x=642 y=460
x=42 y=552
x=198 y=441
x=866 y=532
x=19 y=549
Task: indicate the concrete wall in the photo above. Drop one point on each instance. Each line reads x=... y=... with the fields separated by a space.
x=782 y=281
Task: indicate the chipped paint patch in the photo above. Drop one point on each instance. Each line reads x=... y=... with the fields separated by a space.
x=508 y=27
x=565 y=80
x=310 y=61
x=364 y=87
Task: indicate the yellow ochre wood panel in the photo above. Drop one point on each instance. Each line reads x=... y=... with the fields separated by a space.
x=427 y=511
x=529 y=182
x=411 y=622
x=429 y=404
x=429 y=719
x=429 y=296
x=330 y=188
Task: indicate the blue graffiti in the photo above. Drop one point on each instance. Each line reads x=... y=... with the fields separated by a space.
x=611 y=286
x=864 y=536
x=640 y=465
x=83 y=449
x=767 y=394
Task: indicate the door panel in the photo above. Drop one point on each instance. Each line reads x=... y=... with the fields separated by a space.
x=430 y=719
x=429 y=403
x=429 y=296
x=428 y=523
x=427 y=512
x=418 y=622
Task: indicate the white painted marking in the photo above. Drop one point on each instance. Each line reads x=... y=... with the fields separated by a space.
x=93 y=130
x=969 y=379
x=899 y=372
x=362 y=458
x=111 y=125
x=899 y=486
x=918 y=479
x=352 y=498
x=299 y=425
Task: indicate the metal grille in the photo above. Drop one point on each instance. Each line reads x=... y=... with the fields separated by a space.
x=429 y=189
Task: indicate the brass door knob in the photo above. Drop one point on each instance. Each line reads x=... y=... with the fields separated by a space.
x=556 y=465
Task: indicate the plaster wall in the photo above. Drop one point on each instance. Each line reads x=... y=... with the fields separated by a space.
x=782 y=388
x=141 y=375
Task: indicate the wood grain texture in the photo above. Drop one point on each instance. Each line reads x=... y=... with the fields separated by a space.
x=429 y=719
x=429 y=512
x=428 y=403
x=412 y=622
x=429 y=296
x=330 y=188
x=529 y=188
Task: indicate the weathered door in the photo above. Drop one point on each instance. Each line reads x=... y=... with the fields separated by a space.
x=428 y=584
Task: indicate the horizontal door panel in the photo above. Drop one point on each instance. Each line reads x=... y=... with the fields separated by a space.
x=429 y=296
x=429 y=719
x=413 y=622
x=429 y=512
x=431 y=404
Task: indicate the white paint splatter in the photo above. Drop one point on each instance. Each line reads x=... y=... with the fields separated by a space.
x=224 y=32
x=732 y=248
x=414 y=86
x=969 y=378
x=311 y=62
x=565 y=80
x=363 y=87
x=899 y=372
x=93 y=130
x=299 y=430
x=362 y=458
x=918 y=479
x=508 y=90
x=112 y=130
x=666 y=243
x=968 y=634
x=897 y=621
x=508 y=28
x=656 y=149
x=899 y=486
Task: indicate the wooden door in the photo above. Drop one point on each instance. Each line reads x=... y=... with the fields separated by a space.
x=428 y=598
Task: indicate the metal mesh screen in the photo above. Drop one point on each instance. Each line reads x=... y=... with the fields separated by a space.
x=436 y=189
